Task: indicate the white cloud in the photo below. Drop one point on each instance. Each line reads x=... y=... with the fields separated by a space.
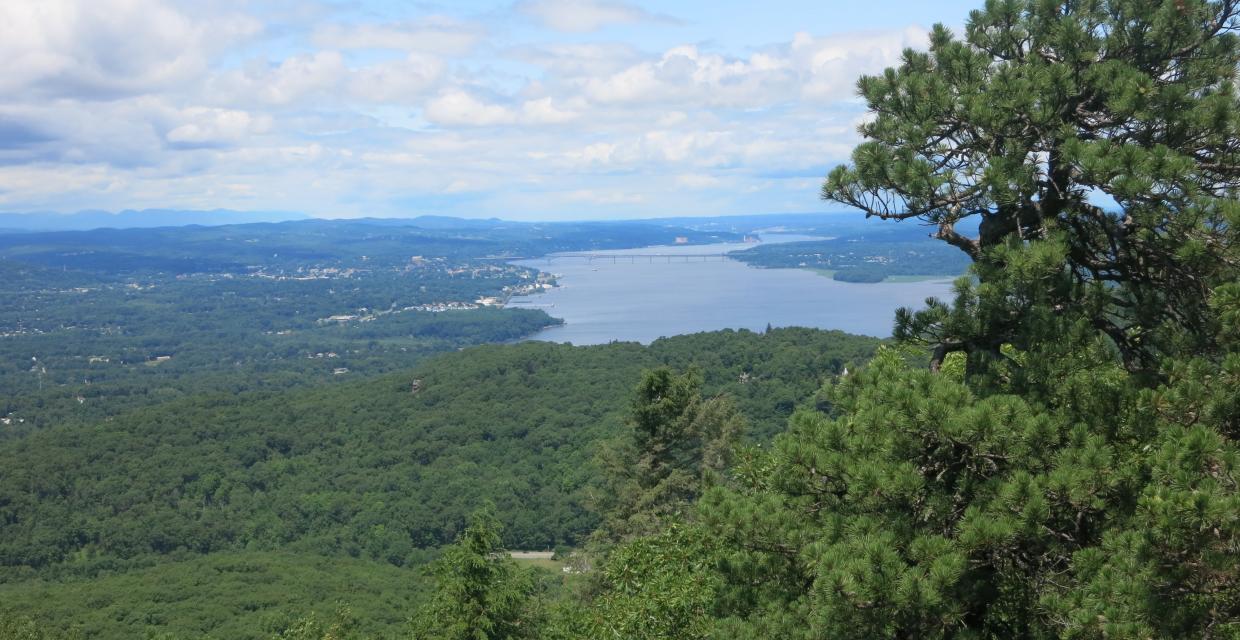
x=687 y=75
x=544 y=111
x=106 y=48
x=599 y=153
x=35 y=180
x=207 y=126
x=461 y=186
x=598 y=196
x=325 y=79
x=161 y=103
x=697 y=181
x=820 y=69
x=585 y=15
x=830 y=65
x=456 y=107
x=436 y=35
x=572 y=60
x=402 y=81
x=299 y=76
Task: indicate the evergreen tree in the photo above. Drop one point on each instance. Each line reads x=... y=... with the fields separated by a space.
x=1042 y=111
x=480 y=592
x=676 y=444
x=657 y=587
x=925 y=509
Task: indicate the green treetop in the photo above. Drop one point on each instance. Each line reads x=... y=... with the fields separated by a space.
x=676 y=442
x=1109 y=128
x=480 y=593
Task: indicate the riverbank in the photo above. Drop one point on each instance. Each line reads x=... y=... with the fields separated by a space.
x=830 y=273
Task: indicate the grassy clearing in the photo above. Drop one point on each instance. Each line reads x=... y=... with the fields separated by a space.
x=555 y=566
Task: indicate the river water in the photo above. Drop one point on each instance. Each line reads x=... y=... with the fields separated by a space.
x=642 y=299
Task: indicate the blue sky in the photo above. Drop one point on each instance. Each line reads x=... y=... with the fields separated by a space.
x=528 y=109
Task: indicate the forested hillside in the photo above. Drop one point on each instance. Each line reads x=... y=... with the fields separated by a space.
x=371 y=469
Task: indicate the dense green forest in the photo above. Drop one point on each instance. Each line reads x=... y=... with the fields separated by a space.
x=231 y=594
x=368 y=470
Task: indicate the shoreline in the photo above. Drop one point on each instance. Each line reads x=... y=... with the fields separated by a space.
x=830 y=273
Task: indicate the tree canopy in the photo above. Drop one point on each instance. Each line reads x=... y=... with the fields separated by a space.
x=676 y=442
x=480 y=593
x=1108 y=129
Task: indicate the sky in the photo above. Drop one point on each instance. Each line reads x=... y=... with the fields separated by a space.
x=533 y=109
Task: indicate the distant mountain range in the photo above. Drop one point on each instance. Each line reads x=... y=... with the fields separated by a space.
x=834 y=223
x=131 y=219
x=151 y=218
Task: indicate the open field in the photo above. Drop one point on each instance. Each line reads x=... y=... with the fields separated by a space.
x=541 y=559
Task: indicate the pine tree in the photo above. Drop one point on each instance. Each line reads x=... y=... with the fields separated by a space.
x=1043 y=111
x=480 y=592
x=657 y=587
x=676 y=443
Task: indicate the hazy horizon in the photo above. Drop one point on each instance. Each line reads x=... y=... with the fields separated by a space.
x=243 y=216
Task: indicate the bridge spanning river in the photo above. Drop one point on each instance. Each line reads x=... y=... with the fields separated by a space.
x=626 y=257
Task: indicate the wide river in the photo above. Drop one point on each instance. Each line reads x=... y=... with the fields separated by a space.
x=643 y=299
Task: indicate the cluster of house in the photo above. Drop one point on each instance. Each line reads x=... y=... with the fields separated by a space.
x=537 y=283
x=313 y=273
x=20 y=332
x=436 y=307
x=538 y=286
x=481 y=270
x=343 y=318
